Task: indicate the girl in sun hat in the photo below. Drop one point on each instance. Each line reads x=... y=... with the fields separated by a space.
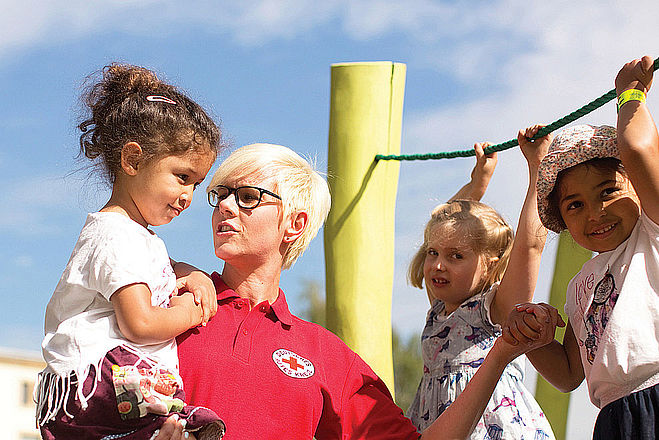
x=571 y=147
x=602 y=185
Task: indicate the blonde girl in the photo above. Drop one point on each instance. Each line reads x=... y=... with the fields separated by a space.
x=474 y=272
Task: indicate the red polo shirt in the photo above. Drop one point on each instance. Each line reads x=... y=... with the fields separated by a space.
x=271 y=375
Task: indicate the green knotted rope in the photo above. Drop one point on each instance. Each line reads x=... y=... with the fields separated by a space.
x=593 y=105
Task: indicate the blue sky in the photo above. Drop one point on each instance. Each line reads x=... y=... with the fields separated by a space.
x=475 y=71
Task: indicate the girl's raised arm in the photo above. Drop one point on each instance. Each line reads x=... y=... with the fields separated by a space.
x=638 y=141
x=518 y=283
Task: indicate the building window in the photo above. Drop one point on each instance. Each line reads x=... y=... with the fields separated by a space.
x=26 y=393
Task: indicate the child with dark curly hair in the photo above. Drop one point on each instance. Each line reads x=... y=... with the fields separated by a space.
x=112 y=367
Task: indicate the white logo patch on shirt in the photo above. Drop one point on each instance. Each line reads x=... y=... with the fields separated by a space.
x=293 y=364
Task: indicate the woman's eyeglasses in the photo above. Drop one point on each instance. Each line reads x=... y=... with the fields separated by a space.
x=247 y=197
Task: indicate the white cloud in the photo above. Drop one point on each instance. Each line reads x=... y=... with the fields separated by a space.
x=462 y=39
x=31 y=23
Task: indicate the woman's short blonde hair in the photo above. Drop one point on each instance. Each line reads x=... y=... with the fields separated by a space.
x=483 y=229
x=301 y=187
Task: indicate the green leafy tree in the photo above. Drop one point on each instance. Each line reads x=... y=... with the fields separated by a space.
x=408 y=367
x=408 y=364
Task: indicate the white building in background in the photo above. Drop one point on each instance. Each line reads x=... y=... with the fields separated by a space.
x=18 y=372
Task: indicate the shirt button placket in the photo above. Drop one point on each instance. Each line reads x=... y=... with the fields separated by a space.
x=241 y=348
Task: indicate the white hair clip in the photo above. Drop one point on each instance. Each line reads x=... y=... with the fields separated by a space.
x=160 y=98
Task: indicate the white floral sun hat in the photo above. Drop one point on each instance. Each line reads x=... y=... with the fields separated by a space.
x=570 y=147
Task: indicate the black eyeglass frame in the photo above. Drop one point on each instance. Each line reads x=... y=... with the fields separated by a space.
x=234 y=191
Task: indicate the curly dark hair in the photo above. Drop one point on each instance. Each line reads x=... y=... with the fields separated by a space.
x=130 y=104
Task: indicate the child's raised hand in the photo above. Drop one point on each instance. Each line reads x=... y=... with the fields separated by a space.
x=480 y=174
x=485 y=163
x=202 y=288
x=636 y=74
x=532 y=325
x=535 y=150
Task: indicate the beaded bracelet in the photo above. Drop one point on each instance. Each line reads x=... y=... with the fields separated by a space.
x=630 y=95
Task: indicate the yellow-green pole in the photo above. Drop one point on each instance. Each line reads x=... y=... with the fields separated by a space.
x=366 y=108
x=569 y=259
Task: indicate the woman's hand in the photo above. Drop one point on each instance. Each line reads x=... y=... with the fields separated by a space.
x=172 y=429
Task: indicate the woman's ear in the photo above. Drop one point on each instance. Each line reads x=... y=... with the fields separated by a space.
x=131 y=154
x=297 y=226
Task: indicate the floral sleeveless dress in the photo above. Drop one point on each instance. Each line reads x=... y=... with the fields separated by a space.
x=454 y=346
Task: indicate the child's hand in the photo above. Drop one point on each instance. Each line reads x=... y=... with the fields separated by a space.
x=485 y=164
x=480 y=175
x=202 y=288
x=531 y=324
x=535 y=150
x=636 y=74
x=187 y=304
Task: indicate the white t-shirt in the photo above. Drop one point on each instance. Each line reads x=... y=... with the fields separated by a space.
x=112 y=252
x=613 y=307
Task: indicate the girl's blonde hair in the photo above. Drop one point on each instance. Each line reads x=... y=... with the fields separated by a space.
x=485 y=231
x=295 y=179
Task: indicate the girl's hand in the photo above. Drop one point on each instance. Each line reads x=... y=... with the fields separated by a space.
x=531 y=324
x=480 y=175
x=485 y=164
x=636 y=74
x=187 y=304
x=535 y=150
x=202 y=288
x=540 y=334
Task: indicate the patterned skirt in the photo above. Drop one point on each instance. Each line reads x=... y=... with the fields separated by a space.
x=129 y=400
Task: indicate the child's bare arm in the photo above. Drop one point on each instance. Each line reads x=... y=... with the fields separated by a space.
x=142 y=323
x=199 y=283
x=559 y=364
x=518 y=283
x=638 y=140
x=480 y=175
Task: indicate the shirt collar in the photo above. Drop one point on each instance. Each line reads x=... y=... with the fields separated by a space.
x=279 y=307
